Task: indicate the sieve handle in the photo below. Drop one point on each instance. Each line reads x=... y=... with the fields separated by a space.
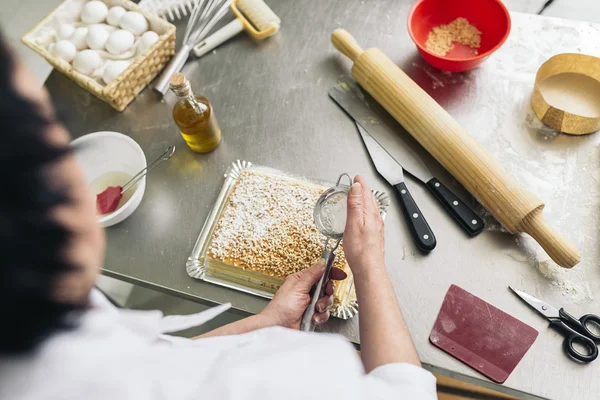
x=307 y=324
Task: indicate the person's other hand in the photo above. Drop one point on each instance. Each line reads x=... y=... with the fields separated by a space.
x=363 y=236
x=293 y=297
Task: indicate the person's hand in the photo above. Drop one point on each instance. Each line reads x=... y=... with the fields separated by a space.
x=363 y=236
x=293 y=297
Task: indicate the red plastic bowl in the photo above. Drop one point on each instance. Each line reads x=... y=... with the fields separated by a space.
x=489 y=16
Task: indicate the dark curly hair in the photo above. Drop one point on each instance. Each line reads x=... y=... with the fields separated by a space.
x=30 y=240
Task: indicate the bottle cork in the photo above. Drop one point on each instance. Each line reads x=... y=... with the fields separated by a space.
x=180 y=85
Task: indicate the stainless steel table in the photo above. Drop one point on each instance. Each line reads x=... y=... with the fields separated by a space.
x=271 y=101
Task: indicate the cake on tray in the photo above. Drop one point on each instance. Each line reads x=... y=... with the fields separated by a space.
x=266 y=232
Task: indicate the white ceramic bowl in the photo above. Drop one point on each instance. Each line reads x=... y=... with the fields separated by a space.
x=102 y=152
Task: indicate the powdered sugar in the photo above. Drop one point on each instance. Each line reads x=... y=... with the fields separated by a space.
x=333 y=214
x=267 y=225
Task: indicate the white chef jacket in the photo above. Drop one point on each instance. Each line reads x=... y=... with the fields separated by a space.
x=125 y=354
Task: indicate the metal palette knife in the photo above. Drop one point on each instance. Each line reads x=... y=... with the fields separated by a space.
x=394 y=174
x=388 y=134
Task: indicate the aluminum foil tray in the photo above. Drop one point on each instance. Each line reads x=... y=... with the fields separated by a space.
x=197 y=265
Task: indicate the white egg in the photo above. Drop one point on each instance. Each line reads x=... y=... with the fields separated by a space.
x=86 y=62
x=65 y=31
x=97 y=37
x=65 y=50
x=79 y=38
x=119 y=41
x=94 y=12
x=45 y=36
x=113 y=70
x=147 y=40
x=114 y=15
x=134 y=22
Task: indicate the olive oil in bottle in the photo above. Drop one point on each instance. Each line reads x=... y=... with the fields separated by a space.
x=195 y=117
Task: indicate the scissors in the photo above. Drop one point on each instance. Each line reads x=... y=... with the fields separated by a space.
x=576 y=331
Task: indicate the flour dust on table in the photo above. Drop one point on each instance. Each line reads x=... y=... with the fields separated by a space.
x=571 y=283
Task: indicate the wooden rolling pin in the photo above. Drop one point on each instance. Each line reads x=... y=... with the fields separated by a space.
x=478 y=171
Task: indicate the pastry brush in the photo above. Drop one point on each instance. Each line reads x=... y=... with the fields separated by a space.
x=253 y=16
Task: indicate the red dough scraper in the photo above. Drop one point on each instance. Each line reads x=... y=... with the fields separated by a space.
x=480 y=335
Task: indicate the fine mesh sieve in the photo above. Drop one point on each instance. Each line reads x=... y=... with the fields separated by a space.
x=330 y=218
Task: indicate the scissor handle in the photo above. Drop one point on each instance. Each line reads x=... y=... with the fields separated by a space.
x=586 y=321
x=581 y=325
x=572 y=337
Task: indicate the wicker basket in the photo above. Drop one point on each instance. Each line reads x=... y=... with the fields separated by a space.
x=144 y=68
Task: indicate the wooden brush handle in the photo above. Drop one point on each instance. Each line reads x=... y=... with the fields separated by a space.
x=476 y=169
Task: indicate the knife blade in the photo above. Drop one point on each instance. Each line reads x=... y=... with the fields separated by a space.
x=394 y=174
x=367 y=113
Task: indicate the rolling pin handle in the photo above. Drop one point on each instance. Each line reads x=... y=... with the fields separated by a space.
x=558 y=248
x=345 y=43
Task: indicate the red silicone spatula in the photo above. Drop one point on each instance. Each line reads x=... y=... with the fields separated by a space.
x=108 y=200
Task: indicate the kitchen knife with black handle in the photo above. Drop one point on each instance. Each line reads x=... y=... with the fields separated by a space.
x=393 y=173
x=467 y=219
x=383 y=129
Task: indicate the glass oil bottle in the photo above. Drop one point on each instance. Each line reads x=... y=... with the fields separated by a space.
x=195 y=117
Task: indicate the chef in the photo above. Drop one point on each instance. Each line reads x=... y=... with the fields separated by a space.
x=61 y=339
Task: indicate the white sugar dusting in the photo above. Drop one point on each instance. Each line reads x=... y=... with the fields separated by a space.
x=267 y=225
x=333 y=213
